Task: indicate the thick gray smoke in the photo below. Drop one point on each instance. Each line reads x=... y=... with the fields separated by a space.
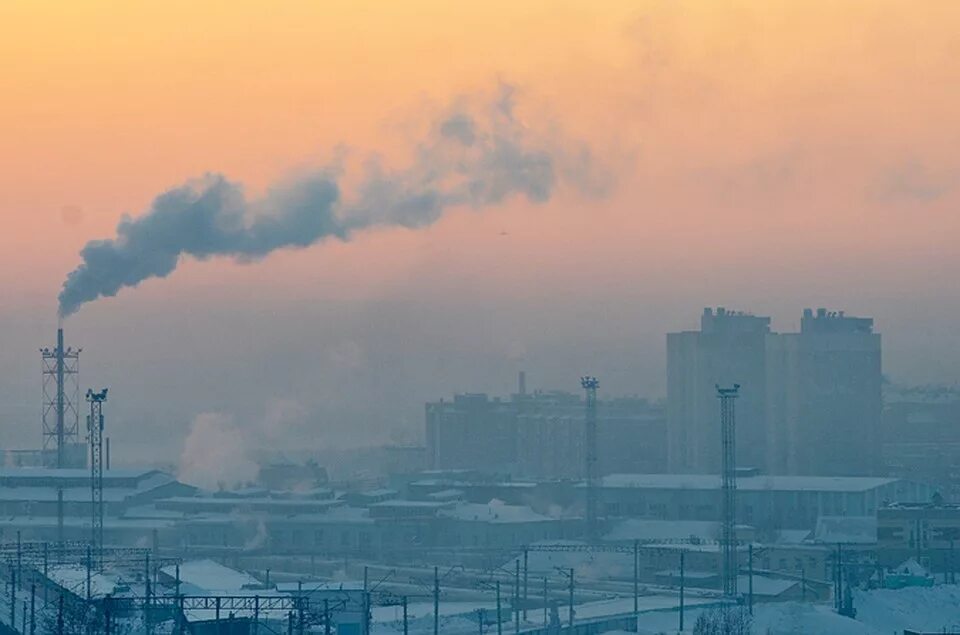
x=468 y=159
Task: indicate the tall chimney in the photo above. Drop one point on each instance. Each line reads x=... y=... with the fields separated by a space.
x=522 y=383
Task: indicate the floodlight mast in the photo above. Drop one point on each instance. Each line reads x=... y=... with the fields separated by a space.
x=590 y=385
x=95 y=436
x=728 y=488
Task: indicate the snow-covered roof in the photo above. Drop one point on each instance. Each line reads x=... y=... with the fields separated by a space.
x=910 y=566
x=747 y=483
x=792 y=536
x=37 y=485
x=335 y=515
x=65 y=473
x=493 y=512
x=74 y=579
x=409 y=503
x=446 y=494
x=206 y=577
x=854 y=530
x=763 y=585
x=313 y=586
x=640 y=529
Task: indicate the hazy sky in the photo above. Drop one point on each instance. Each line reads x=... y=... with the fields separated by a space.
x=766 y=156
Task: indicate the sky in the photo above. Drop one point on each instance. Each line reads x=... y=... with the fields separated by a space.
x=766 y=156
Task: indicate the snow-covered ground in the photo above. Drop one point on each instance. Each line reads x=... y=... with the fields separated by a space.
x=879 y=612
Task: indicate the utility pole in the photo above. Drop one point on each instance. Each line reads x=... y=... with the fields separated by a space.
x=33 y=608
x=682 y=582
x=545 y=600
x=728 y=426
x=571 y=598
x=953 y=574
x=837 y=582
x=146 y=593
x=499 y=611
x=750 y=583
x=436 y=601
x=326 y=617
x=526 y=554
x=13 y=597
x=89 y=567
x=405 y=632
x=516 y=600
x=636 y=580
x=107 y=617
x=366 y=600
x=300 y=601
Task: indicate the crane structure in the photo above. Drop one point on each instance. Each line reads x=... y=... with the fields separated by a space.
x=590 y=385
x=61 y=400
x=728 y=489
x=95 y=436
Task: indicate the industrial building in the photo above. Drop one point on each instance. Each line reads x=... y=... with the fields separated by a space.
x=926 y=531
x=810 y=402
x=542 y=434
x=781 y=502
x=729 y=348
x=921 y=435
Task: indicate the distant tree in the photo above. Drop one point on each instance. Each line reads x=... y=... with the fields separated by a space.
x=724 y=620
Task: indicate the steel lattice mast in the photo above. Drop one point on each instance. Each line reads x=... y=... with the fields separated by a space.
x=95 y=436
x=61 y=398
x=590 y=385
x=728 y=488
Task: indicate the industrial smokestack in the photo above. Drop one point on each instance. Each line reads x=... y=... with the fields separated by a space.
x=522 y=383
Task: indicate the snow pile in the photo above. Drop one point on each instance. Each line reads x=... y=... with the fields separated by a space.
x=932 y=609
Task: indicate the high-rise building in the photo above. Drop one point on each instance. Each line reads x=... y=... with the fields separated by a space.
x=840 y=403
x=729 y=348
x=810 y=401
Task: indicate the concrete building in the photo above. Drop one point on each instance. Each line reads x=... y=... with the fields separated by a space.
x=921 y=435
x=471 y=431
x=631 y=434
x=928 y=532
x=729 y=348
x=810 y=402
x=541 y=434
x=832 y=424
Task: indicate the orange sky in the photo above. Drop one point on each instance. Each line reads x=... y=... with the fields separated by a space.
x=769 y=155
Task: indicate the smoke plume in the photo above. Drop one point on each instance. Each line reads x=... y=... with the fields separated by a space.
x=472 y=157
x=215 y=454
